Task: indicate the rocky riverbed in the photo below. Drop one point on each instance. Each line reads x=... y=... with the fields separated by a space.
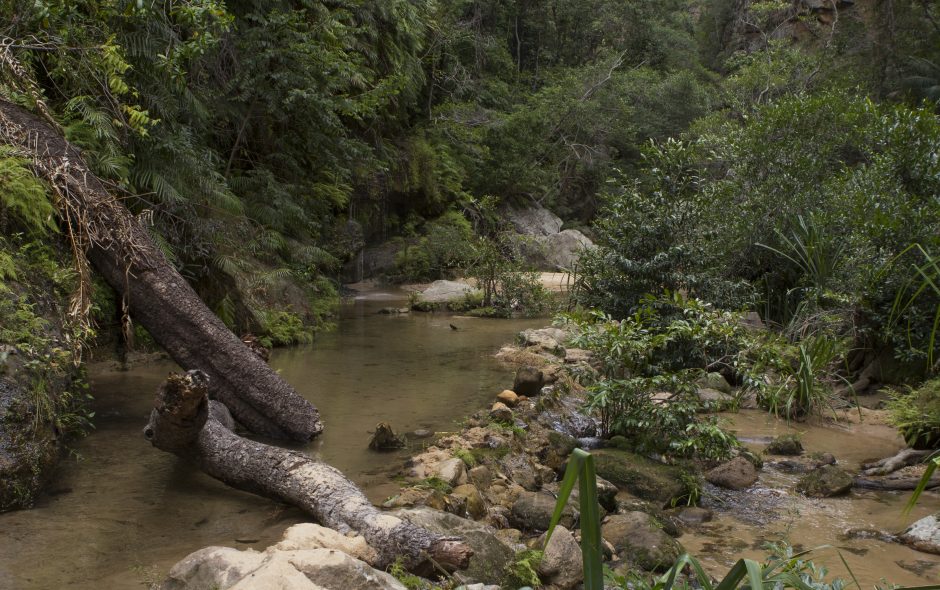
x=494 y=483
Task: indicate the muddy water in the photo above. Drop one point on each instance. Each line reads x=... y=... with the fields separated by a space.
x=124 y=513
x=772 y=512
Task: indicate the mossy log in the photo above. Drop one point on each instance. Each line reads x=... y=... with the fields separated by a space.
x=120 y=248
x=186 y=423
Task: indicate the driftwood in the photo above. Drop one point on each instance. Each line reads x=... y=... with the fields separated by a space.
x=894 y=483
x=903 y=458
x=186 y=423
x=119 y=247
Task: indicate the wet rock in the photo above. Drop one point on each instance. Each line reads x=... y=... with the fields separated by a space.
x=453 y=471
x=561 y=566
x=736 y=474
x=472 y=499
x=825 y=482
x=422 y=433
x=520 y=469
x=637 y=538
x=924 y=535
x=532 y=511
x=786 y=444
x=508 y=397
x=714 y=398
x=528 y=382
x=490 y=554
x=501 y=412
x=308 y=535
x=715 y=381
x=385 y=439
x=394 y=310
x=224 y=568
x=640 y=476
x=804 y=464
x=556 y=449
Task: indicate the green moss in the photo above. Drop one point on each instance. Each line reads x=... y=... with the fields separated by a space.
x=642 y=477
x=466 y=456
x=524 y=570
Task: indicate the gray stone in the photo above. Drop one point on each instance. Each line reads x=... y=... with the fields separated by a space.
x=694 y=515
x=501 y=412
x=714 y=381
x=924 y=535
x=490 y=554
x=532 y=511
x=521 y=470
x=637 y=538
x=561 y=566
x=473 y=500
x=736 y=474
x=534 y=221
x=548 y=339
x=453 y=471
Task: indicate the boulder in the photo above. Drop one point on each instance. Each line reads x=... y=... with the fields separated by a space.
x=713 y=397
x=532 y=511
x=924 y=535
x=714 y=381
x=693 y=515
x=490 y=554
x=534 y=221
x=549 y=339
x=561 y=566
x=736 y=474
x=419 y=496
x=640 y=476
x=508 y=397
x=528 y=381
x=824 y=482
x=785 y=444
x=223 y=568
x=565 y=248
x=637 y=538
x=573 y=356
x=445 y=291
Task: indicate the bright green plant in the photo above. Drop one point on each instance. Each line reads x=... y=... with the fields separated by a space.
x=916 y=413
x=806 y=389
x=932 y=464
x=581 y=470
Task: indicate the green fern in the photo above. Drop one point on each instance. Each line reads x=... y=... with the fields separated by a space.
x=23 y=196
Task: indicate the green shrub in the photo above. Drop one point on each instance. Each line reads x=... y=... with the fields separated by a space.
x=916 y=414
x=284 y=328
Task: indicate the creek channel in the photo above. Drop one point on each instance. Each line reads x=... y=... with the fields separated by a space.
x=124 y=513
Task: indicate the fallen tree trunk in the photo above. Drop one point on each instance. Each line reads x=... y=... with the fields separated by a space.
x=186 y=423
x=894 y=484
x=903 y=458
x=157 y=296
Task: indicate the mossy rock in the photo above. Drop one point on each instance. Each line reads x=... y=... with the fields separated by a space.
x=785 y=444
x=824 y=482
x=619 y=442
x=640 y=476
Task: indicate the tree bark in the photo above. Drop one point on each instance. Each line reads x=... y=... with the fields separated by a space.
x=159 y=298
x=185 y=423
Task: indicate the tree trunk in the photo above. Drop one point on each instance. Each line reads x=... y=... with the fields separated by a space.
x=159 y=298
x=185 y=423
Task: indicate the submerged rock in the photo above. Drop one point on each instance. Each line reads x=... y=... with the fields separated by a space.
x=637 y=538
x=924 y=535
x=824 y=482
x=736 y=474
x=385 y=439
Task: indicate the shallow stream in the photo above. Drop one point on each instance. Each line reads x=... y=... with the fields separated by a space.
x=124 y=513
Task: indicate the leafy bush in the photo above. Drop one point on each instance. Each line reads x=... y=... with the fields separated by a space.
x=445 y=246
x=283 y=328
x=916 y=414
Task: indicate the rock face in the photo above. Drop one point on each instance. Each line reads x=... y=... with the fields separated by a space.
x=735 y=474
x=490 y=554
x=924 y=535
x=562 y=566
x=223 y=568
x=528 y=382
x=637 y=538
x=826 y=481
x=532 y=511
